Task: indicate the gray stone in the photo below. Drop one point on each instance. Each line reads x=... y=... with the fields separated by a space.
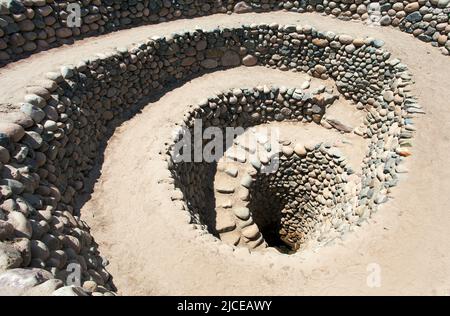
x=209 y=63
x=385 y=20
x=67 y=72
x=35 y=100
x=32 y=140
x=33 y=111
x=414 y=17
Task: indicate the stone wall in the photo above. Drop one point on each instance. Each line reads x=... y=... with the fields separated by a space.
x=30 y=26
x=312 y=196
x=48 y=149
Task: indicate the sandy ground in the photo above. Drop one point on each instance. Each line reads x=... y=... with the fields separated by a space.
x=150 y=247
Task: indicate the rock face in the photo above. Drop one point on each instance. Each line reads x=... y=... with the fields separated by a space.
x=27 y=36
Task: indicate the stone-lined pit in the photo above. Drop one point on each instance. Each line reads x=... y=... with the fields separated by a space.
x=49 y=148
x=302 y=195
x=297 y=201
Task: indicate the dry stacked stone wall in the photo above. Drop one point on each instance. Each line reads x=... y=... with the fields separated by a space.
x=29 y=26
x=49 y=147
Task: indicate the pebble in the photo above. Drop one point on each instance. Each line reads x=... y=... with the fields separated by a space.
x=242 y=213
x=300 y=150
x=388 y=96
x=249 y=60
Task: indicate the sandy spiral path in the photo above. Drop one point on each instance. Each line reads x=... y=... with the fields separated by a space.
x=151 y=249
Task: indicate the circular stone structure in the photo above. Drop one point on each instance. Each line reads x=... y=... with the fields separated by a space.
x=49 y=148
x=292 y=194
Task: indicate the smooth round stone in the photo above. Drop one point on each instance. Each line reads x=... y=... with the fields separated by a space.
x=14 y=131
x=358 y=42
x=388 y=96
x=287 y=151
x=242 y=213
x=33 y=111
x=50 y=125
x=350 y=48
x=22 y=227
x=300 y=150
x=411 y=7
x=35 y=100
x=230 y=58
x=249 y=60
x=320 y=42
x=385 y=20
x=209 y=63
x=345 y=39
x=251 y=232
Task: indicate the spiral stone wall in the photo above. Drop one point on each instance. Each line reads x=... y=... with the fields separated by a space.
x=30 y=26
x=312 y=195
x=49 y=147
